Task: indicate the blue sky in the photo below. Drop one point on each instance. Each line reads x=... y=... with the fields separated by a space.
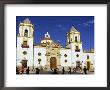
x=58 y=26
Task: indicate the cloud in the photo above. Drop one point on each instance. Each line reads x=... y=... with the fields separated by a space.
x=61 y=27
x=79 y=24
x=88 y=23
x=58 y=40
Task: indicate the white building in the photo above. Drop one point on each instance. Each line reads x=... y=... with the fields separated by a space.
x=50 y=54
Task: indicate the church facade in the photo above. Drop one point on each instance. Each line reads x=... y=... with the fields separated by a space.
x=50 y=54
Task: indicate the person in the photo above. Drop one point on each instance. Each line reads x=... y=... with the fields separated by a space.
x=37 y=70
x=17 y=70
x=41 y=68
x=63 y=70
x=27 y=70
x=55 y=71
x=69 y=70
x=51 y=69
x=74 y=69
x=85 y=70
x=22 y=69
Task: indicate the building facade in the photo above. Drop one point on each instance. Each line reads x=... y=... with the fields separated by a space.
x=50 y=54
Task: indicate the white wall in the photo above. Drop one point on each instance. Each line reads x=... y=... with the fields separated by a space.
x=29 y=55
x=63 y=58
x=72 y=58
x=73 y=46
x=41 y=50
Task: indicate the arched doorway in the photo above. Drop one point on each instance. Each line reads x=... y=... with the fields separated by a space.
x=53 y=62
x=24 y=63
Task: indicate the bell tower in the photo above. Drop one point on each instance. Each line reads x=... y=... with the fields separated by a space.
x=25 y=43
x=73 y=40
x=73 y=36
x=26 y=28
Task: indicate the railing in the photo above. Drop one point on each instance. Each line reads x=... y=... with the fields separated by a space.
x=77 y=50
x=25 y=46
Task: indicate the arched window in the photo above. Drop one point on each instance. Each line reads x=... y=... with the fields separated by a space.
x=77 y=48
x=87 y=56
x=26 y=33
x=24 y=43
x=75 y=39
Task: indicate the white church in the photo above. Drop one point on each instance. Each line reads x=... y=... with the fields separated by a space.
x=50 y=54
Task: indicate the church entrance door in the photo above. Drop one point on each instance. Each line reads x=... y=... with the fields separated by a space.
x=53 y=62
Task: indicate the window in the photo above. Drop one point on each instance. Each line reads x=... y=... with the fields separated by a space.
x=75 y=39
x=46 y=35
x=39 y=61
x=77 y=48
x=25 y=43
x=87 y=56
x=24 y=52
x=47 y=54
x=65 y=55
x=26 y=33
x=65 y=61
x=39 y=54
x=77 y=55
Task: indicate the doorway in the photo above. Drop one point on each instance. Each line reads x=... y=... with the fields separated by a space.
x=24 y=63
x=53 y=62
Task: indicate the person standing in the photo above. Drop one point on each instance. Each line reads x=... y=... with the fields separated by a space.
x=69 y=70
x=55 y=71
x=27 y=70
x=85 y=70
x=63 y=70
x=37 y=70
x=74 y=69
x=17 y=70
x=22 y=69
